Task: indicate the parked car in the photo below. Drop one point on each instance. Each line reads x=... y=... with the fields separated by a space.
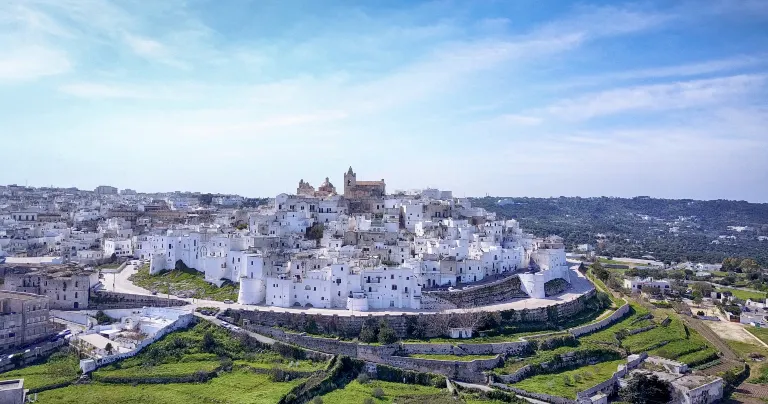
x=228 y=301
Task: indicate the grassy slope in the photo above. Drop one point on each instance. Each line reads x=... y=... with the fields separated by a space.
x=182 y=281
x=165 y=370
x=355 y=392
x=577 y=379
x=236 y=387
x=59 y=368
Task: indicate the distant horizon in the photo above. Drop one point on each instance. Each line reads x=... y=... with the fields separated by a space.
x=391 y=191
x=534 y=97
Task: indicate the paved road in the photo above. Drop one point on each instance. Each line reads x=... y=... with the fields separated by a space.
x=118 y=282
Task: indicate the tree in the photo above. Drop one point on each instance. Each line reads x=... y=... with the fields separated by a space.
x=644 y=389
x=368 y=332
x=205 y=199
x=600 y=272
x=386 y=334
x=749 y=265
x=109 y=348
x=315 y=232
x=209 y=342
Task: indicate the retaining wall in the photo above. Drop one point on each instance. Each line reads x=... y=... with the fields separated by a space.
x=350 y=326
x=588 y=328
x=33 y=355
x=496 y=292
x=112 y=300
x=538 y=396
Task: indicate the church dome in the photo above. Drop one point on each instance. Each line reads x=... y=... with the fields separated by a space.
x=326 y=183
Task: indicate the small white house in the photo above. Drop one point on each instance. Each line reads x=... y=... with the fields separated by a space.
x=460 y=332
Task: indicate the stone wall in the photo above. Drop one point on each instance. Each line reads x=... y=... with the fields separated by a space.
x=112 y=300
x=39 y=352
x=493 y=293
x=599 y=325
x=542 y=397
x=609 y=386
x=350 y=326
x=470 y=371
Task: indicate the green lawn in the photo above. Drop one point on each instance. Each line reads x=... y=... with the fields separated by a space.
x=355 y=393
x=461 y=358
x=568 y=383
x=236 y=387
x=188 y=280
x=760 y=333
x=180 y=369
x=745 y=294
x=59 y=368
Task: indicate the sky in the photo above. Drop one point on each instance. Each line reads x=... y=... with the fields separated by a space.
x=505 y=98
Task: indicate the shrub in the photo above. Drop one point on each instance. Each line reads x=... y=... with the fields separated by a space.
x=378 y=392
x=317 y=400
x=386 y=334
x=363 y=378
x=276 y=374
x=368 y=400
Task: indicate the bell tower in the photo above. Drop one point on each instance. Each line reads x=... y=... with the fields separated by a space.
x=350 y=181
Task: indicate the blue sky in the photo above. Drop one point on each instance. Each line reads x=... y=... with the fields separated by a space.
x=514 y=98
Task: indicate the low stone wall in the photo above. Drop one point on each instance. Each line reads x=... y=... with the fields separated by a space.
x=564 y=361
x=511 y=348
x=40 y=352
x=112 y=300
x=543 y=397
x=609 y=386
x=493 y=293
x=639 y=330
x=470 y=371
x=599 y=325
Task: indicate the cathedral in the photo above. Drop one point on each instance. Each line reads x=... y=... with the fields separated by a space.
x=354 y=189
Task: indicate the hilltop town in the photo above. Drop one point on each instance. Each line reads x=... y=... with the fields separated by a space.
x=332 y=294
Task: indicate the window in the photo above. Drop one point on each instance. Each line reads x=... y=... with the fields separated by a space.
x=394 y=287
x=75 y=295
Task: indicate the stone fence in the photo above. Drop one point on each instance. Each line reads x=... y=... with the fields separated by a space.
x=469 y=371
x=33 y=355
x=537 y=396
x=493 y=348
x=103 y=300
x=588 y=328
x=496 y=292
x=609 y=386
x=642 y=329
x=89 y=365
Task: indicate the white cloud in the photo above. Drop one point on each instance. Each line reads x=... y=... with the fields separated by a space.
x=657 y=97
x=28 y=63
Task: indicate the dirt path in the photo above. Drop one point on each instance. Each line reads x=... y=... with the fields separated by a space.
x=710 y=336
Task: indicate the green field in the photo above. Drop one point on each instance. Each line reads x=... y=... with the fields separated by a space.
x=61 y=367
x=460 y=358
x=355 y=392
x=174 y=370
x=187 y=281
x=230 y=388
x=568 y=383
x=745 y=294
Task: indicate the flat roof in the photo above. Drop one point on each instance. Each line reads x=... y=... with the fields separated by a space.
x=12 y=384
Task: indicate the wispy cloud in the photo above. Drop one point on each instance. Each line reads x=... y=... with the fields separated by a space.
x=21 y=64
x=657 y=97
